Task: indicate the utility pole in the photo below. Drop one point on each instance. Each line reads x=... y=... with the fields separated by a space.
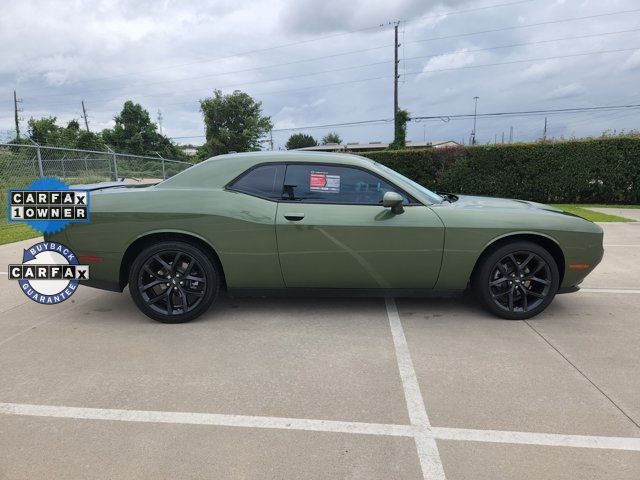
x=511 y=134
x=475 y=114
x=271 y=139
x=544 y=132
x=84 y=115
x=16 y=110
x=503 y=138
x=160 y=121
x=396 y=133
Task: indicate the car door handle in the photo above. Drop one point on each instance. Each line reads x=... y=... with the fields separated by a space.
x=294 y=217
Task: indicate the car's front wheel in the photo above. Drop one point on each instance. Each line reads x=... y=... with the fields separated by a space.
x=517 y=280
x=173 y=282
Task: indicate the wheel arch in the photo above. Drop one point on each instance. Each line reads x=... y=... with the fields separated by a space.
x=547 y=242
x=143 y=241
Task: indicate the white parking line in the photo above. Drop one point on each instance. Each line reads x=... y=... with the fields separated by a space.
x=425 y=443
x=217 y=419
x=530 y=438
x=358 y=428
x=609 y=290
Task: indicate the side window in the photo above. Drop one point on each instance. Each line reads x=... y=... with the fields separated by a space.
x=263 y=181
x=335 y=184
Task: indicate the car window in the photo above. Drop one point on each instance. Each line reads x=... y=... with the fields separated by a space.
x=335 y=184
x=263 y=181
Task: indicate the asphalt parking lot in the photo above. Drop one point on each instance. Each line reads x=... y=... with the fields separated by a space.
x=326 y=388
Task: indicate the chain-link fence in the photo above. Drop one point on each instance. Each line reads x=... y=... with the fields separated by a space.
x=21 y=164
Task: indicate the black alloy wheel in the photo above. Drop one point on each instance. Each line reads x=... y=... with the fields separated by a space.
x=517 y=281
x=173 y=282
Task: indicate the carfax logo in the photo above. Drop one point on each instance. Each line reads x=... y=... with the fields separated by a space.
x=49 y=273
x=48 y=205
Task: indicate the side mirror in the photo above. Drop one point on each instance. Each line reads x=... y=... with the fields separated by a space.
x=394 y=201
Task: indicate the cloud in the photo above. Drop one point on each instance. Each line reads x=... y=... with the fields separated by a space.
x=565 y=91
x=633 y=62
x=459 y=58
x=167 y=55
x=315 y=16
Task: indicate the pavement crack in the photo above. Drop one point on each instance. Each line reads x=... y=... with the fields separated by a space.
x=583 y=374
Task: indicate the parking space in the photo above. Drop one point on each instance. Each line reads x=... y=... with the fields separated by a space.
x=326 y=388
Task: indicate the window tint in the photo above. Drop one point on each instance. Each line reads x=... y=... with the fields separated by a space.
x=263 y=181
x=335 y=184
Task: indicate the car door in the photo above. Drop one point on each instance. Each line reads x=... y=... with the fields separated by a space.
x=333 y=232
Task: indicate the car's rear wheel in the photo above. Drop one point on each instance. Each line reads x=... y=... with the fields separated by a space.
x=517 y=280
x=173 y=282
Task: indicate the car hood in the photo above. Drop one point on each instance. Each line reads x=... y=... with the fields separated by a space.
x=470 y=201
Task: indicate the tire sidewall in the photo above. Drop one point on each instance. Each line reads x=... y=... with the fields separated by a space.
x=480 y=282
x=209 y=269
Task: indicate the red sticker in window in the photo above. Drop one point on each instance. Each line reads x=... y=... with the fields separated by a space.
x=323 y=182
x=317 y=180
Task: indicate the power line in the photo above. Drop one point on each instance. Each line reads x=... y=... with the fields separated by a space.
x=512 y=45
x=301 y=42
x=418 y=118
x=417 y=72
x=373 y=64
x=351 y=67
x=306 y=60
x=239 y=54
x=583 y=54
x=244 y=70
x=524 y=113
x=312 y=127
x=469 y=10
x=528 y=25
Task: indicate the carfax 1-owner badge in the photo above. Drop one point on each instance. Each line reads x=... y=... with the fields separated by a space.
x=49 y=272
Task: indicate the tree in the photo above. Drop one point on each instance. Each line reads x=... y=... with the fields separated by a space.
x=45 y=131
x=232 y=123
x=300 y=140
x=332 y=137
x=134 y=132
x=400 y=141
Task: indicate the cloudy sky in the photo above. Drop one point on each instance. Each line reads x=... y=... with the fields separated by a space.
x=316 y=62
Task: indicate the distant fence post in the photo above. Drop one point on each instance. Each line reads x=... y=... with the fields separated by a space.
x=39 y=156
x=39 y=161
x=164 y=173
x=115 y=163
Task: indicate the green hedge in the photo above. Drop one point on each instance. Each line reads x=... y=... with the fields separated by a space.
x=603 y=170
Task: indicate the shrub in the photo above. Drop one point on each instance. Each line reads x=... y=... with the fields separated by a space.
x=602 y=170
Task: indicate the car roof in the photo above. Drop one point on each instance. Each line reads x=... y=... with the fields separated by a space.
x=298 y=156
x=218 y=171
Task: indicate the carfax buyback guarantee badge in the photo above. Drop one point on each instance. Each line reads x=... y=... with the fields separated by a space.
x=49 y=272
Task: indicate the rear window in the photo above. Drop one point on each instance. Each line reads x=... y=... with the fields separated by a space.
x=263 y=181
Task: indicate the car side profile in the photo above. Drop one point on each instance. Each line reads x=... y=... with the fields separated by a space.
x=273 y=222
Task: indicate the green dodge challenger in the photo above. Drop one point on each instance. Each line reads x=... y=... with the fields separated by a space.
x=316 y=222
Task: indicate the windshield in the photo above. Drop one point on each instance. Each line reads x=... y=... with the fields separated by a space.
x=433 y=197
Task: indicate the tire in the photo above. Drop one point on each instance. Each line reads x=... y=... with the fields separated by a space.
x=516 y=281
x=169 y=275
